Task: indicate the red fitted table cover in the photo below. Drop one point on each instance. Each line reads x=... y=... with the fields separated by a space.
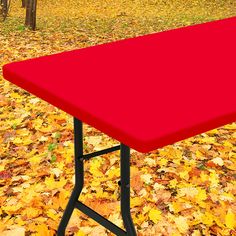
x=146 y=92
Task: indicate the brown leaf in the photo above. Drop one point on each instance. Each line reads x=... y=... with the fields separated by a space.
x=136 y=183
x=5 y=174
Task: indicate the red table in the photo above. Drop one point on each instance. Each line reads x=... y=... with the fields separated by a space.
x=146 y=92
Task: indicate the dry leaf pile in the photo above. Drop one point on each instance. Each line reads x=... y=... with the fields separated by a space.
x=187 y=188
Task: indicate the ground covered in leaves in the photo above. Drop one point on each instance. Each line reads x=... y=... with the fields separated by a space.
x=187 y=188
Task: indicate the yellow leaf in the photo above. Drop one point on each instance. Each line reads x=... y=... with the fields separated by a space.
x=15 y=95
x=182 y=224
x=113 y=172
x=154 y=215
x=2 y=226
x=42 y=229
x=37 y=123
x=147 y=178
x=139 y=219
x=94 y=167
x=230 y=219
x=230 y=126
x=63 y=199
x=14 y=231
x=57 y=172
x=201 y=196
x=188 y=191
x=184 y=175
x=207 y=219
x=196 y=233
x=52 y=184
x=175 y=207
x=218 y=161
x=27 y=141
x=228 y=144
x=80 y=233
x=94 y=140
x=31 y=212
x=35 y=160
x=150 y=161
x=214 y=178
x=173 y=183
x=218 y=221
x=146 y=208
x=30 y=195
x=207 y=139
x=12 y=208
x=17 y=141
x=204 y=177
x=115 y=218
x=52 y=214
x=198 y=154
x=163 y=162
x=227 y=197
x=136 y=201
x=214 y=131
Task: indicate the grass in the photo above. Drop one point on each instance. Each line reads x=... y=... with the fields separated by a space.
x=119 y=18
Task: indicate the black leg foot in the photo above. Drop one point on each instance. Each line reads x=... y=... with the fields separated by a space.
x=125 y=190
x=79 y=176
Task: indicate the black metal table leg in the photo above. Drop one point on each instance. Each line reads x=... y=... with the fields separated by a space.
x=125 y=190
x=79 y=176
x=79 y=182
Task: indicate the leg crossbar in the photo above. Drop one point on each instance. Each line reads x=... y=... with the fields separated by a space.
x=100 y=219
x=99 y=153
x=79 y=182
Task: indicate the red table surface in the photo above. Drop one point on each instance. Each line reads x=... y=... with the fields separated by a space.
x=146 y=92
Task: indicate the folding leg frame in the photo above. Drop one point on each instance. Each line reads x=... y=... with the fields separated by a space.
x=79 y=182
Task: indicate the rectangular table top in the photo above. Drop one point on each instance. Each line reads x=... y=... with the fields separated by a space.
x=147 y=91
